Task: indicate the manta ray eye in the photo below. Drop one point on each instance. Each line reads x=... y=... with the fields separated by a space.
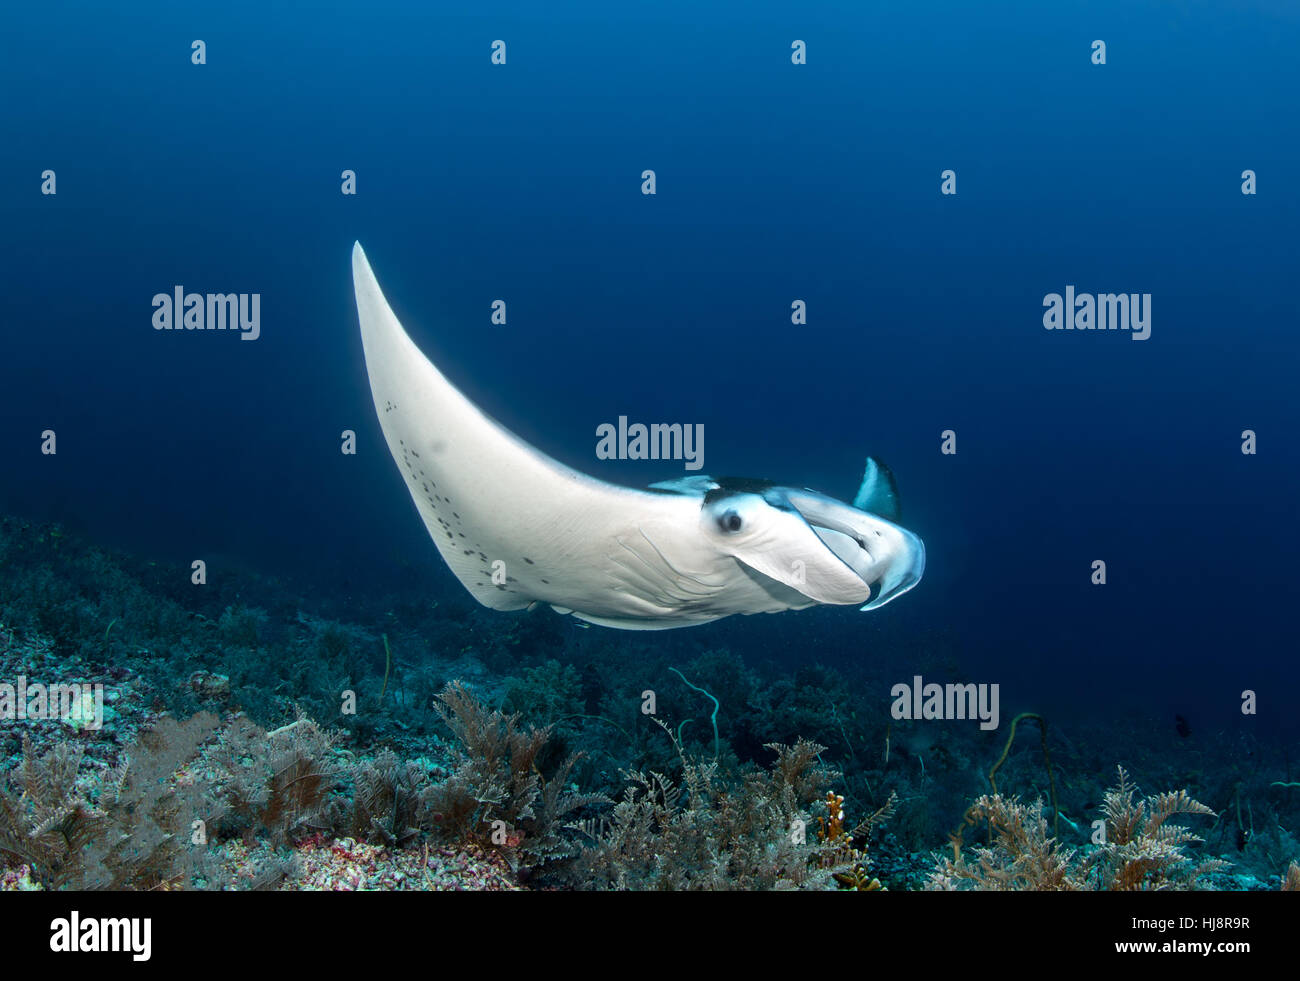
x=730 y=521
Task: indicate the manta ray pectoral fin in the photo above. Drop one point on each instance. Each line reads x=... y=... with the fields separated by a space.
x=496 y=508
x=878 y=492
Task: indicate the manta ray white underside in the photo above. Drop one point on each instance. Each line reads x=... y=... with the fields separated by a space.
x=518 y=528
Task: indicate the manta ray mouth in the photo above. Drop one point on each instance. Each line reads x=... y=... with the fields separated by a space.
x=885 y=574
x=888 y=559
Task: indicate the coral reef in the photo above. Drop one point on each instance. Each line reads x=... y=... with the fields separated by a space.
x=741 y=834
x=1140 y=847
x=254 y=739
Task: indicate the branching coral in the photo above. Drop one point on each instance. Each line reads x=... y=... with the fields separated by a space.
x=135 y=836
x=840 y=844
x=161 y=813
x=391 y=799
x=497 y=795
x=143 y=838
x=1020 y=853
x=708 y=832
x=44 y=820
x=1141 y=849
x=1292 y=881
x=277 y=782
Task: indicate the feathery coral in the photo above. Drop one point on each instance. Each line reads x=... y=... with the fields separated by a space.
x=1142 y=847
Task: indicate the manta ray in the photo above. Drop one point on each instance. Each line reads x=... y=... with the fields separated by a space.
x=520 y=529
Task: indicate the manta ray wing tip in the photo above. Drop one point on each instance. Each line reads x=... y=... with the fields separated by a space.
x=363 y=277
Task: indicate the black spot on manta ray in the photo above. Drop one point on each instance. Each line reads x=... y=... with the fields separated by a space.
x=529 y=561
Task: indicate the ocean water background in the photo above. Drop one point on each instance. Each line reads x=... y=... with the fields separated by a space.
x=775 y=182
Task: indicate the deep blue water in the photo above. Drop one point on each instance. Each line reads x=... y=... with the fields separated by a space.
x=776 y=182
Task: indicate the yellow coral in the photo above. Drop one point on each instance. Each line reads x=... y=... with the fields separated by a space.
x=832 y=828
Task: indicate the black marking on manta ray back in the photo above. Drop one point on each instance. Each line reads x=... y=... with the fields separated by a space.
x=529 y=561
x=730 y=486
